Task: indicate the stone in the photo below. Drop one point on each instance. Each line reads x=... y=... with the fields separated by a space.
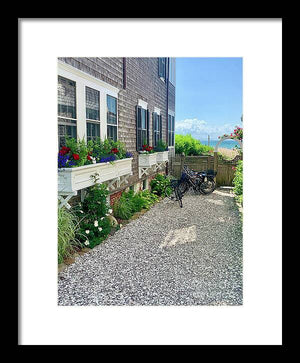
x=61 y=267
x=69 y=260
x=113 y=221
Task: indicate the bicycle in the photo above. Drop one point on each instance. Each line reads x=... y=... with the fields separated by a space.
x=173 y=192
x=201 y=182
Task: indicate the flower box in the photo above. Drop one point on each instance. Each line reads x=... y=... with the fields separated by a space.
x=73 y=179
x=147 y=160
x=162 y=156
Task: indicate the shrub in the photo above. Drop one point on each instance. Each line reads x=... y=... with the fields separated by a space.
x=123 y=208
x=238 y=181
x=160 y=184
x=190 y=147
x=93 y=211
x=149 y=198
x=67 y=230
x=130 y=203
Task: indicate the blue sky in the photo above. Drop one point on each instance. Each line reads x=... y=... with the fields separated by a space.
x=208 y=96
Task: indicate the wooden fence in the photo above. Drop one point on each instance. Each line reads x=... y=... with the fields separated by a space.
x=225 y=173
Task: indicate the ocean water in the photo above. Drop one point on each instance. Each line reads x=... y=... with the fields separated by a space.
x=226 y=144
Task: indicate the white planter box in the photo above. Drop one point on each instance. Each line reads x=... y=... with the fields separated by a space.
x=73 y=179
x=162 y=156
x=147 y=160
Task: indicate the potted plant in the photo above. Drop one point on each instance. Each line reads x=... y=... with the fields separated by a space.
x=162 y=151
x=147 y=156
x=81 y=164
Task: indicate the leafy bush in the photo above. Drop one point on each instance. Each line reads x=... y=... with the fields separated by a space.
x=93 y=211
x=191 y=147
x=160 y=184
x=238 y=182
x=67 y=230
x=130 y=203
x=123 y=208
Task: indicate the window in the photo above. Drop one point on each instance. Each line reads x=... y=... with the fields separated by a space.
x=112 y=132
x=142 y=127
x=67 y=122
x=162 y=67
x=171 y=129
x=92 y=107
x=157 y=128
x=172 y=71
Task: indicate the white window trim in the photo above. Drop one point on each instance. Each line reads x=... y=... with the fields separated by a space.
x=172 y=113
x=157 y=110
x=143 y=104
x=82 y=80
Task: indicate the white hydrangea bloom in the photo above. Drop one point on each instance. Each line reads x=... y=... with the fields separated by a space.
x=96 y=223
x=87 y=242
x=100 y=229
x=87 y=231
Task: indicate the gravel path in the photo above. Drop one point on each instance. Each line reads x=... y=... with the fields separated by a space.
x=168 y=256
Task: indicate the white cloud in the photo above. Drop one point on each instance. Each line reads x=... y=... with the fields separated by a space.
x=199 y=129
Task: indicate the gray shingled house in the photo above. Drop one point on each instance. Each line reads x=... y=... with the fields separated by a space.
x=126 y=99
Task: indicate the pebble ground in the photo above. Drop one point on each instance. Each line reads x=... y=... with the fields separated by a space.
x=168 y=256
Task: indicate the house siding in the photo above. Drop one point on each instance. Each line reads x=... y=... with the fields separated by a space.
x=142 y=82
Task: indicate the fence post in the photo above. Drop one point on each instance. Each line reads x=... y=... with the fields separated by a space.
x=215 y=164
x=182 y=162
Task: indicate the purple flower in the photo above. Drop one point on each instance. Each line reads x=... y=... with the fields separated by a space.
x=108 y=159
x=64 y=161
x=128 y=155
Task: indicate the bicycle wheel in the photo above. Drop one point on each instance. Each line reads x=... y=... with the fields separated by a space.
x=178 y=196
x=207 y=186
x=183 y=187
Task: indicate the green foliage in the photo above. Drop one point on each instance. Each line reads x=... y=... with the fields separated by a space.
x=130 y=203
x=161 y=146
x=123 y=208
x=191 y=147
x=160 y=184
x=79 y=147
x=149 y=198
x=93 y=212
x=67 y=230
x=238 y=181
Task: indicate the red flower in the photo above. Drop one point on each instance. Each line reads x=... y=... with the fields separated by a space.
x=75 y=156
x=114 y=151
x=64 y=150
x=89 y=158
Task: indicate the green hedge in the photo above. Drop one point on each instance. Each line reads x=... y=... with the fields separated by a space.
x=191 y=147
x=238 y=182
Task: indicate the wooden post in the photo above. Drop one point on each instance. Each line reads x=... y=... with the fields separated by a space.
x=215 y=164
x=182 y=162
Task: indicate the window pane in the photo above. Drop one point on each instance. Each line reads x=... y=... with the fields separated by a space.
x=92 y=97
x=66 y=96
x=139 y=139
x=111 y=110
x=169 y=122
x=112 y=132
x=92 y=130
x=173 y=123
x=144 y=137
x=66 y=130
x=143 y=118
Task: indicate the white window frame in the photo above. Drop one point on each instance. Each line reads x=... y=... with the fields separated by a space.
x=171 y=113
x=91 y=120
x=82 y=80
